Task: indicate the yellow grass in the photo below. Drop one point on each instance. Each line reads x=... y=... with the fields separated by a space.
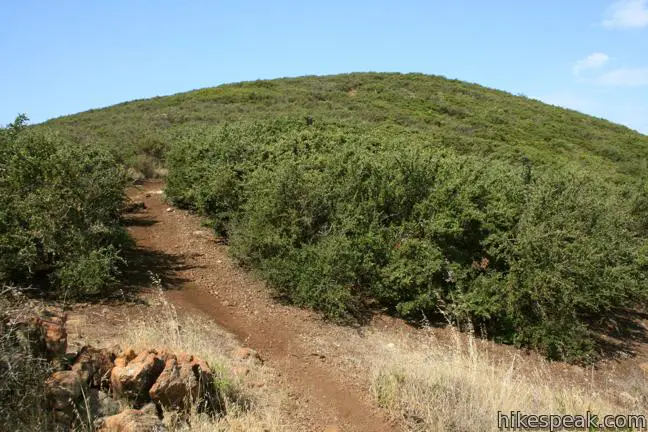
x=461 y=386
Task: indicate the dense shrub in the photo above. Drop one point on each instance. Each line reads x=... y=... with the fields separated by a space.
x=335 y=219
x=575 y=258
x=59 y=212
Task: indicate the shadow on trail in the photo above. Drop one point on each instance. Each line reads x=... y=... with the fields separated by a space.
x=146 y=266
x=138 y=221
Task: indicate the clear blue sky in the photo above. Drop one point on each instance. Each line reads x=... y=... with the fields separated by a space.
x=62 y=57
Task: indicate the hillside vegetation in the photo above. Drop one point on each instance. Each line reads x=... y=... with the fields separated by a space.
x=411 y=193
x=449 y=113
x=60 y=205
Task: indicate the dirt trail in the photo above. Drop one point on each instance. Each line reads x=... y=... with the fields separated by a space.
x=200 y=277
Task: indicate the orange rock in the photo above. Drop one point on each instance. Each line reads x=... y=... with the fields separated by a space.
x=176 y=386
x=62 y=392
x=126 y=356
x=185 y=380
x=134 y=380
x=132 y=420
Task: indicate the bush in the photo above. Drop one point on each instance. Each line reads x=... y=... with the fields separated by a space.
x=575 y=259
x=60 y=208
x=337 y=221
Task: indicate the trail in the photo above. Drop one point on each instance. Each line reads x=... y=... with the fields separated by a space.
x=200 y=277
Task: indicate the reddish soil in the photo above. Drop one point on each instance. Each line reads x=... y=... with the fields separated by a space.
x=321 y=376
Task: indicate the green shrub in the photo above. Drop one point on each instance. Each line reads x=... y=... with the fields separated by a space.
x=60 y=205
x=575 y=258
x=339 y=220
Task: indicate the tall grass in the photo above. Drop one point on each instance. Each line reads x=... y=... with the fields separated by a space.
x=23 y=370
x=462 y=385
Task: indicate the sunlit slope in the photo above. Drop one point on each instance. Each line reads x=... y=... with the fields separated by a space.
x=448 y=113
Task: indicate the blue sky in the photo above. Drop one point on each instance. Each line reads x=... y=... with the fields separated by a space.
x=63 y=57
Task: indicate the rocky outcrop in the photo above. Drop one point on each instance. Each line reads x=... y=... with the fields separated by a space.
x=134 y=380
x=103 y=383
x=125 y=392
x=185 y=381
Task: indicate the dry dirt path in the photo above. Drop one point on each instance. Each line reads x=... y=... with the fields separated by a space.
x=313 y=359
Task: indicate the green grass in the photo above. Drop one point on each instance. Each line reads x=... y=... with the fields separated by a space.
x=411 y=193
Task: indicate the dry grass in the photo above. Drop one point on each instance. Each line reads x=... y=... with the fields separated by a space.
x=461 y=385
x=248 y=408
x=22 y=372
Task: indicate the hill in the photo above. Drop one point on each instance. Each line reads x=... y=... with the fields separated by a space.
x=466 y=117
x=413 y=194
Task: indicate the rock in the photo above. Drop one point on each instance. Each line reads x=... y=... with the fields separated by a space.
x=134 y=380
x=247 y=354
x=132 y=420
x=55 y=335
x=62 y=392
x=94 y=366
x=126 y=356
x=169 y=209
x=185 y=381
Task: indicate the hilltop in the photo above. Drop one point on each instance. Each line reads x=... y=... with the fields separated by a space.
x=468 y=118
